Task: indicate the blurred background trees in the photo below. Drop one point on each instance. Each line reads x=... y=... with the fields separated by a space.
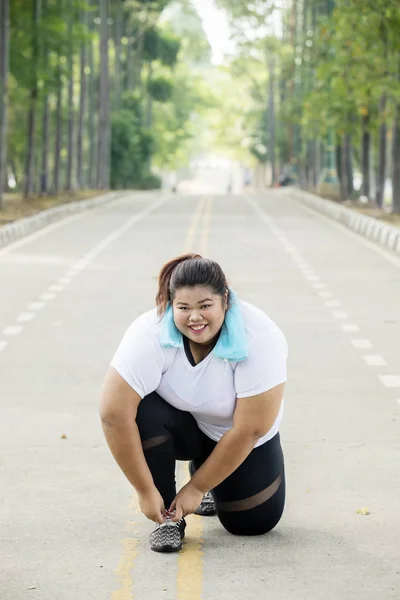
x=94 y=91
x=97 y=93
x=324 y=78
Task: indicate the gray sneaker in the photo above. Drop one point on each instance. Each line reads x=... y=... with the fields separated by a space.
x=207 y=506
x=168 y=536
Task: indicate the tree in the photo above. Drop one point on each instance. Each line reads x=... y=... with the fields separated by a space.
x=4 y=68
x=103 y=164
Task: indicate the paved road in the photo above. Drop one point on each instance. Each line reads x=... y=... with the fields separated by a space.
x=70 y=526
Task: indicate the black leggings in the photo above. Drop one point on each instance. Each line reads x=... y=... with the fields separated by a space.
x=248 y=502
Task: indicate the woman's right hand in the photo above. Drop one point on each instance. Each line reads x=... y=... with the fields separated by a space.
x=152 y=505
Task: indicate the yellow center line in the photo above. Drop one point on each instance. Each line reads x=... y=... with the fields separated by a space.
x=189 y=577
x=206 y=227
x=130 y=544
x=129 y=554
x=188 y=244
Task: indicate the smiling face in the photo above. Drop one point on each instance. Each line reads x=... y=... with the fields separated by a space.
x=199 y=313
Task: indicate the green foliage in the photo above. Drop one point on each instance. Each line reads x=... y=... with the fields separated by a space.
x=160 y=88
x=131 y=148
x=162 y=46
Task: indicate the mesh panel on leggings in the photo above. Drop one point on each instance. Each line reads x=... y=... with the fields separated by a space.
x=253 y=501
x=155 y=441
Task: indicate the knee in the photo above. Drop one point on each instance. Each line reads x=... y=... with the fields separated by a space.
x=247 y=527
x=256 y=521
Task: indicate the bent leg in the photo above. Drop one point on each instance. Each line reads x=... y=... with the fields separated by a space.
x=167 y=435
x=251 y=500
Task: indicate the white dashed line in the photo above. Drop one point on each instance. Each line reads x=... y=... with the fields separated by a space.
x=36 y=305
x=56 y=288
x=350 y=327
x=319 y=286
x=361 y=344
x=12 y=330
x=64 y=280
x=24 y=317
x=340 y=314
x=3 y=344
x=390 y=381
x=47 y=296
x=374 y=360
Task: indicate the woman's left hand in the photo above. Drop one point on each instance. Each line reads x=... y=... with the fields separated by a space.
x=186 y=502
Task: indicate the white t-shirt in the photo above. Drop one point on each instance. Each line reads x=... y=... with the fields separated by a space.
x=209 y=389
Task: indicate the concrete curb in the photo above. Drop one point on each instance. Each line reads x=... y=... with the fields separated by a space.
x=22 y=227
x=368 y=227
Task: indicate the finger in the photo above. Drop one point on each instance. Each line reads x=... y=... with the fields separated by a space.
x=172 y=507
x=159 y=518
x=178 y=513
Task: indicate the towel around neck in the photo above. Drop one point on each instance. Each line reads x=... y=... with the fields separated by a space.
x=232 y=343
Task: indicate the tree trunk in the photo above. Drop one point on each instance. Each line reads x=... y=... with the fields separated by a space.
x=396 y=162
x=271 y=118
x=82 y=109
x=117 y=63
x=30 y=156
x=349 y=166
x=59 y=130
x=381 y=175
x=365 y=157
x=93 y=109
x=45 y=148
x=137 y=63
x=149 y=107
x=103 y=162
x=70 y=150
x=44 y=167
x=4 y=68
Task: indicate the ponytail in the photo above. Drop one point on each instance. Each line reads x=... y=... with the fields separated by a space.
x=164 y=280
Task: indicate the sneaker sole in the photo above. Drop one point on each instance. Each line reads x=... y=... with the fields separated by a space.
x=206 y=513
x=167 y=549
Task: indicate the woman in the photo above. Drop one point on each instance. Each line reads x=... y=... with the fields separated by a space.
x=199 y=378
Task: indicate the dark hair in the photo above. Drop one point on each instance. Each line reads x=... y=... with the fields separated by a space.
x=188 y=270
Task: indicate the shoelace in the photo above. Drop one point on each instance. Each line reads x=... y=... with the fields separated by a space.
x=169 y=523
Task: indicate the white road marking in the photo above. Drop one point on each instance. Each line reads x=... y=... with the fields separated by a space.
x=325 y=294
x=312 y=278
x=12 y=330
x=390 y=381
x=56 y=288
x=24 y=317
x=374 y=360
x=361 y=344
x=398 y=401
x=47 y=296
x=36 y=305
x=42 y=231
x=340 y=314
x=350 y=327
x=332 y=304
x=385 y=253
x=64 y=280
x=319 y=286
x=3 y=344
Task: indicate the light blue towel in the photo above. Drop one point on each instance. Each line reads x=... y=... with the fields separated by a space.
x=232 y=343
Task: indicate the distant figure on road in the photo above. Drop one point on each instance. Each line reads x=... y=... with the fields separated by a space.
x=247 y=178
x=199 y=378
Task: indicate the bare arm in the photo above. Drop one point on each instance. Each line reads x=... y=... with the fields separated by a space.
x=118 y=410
